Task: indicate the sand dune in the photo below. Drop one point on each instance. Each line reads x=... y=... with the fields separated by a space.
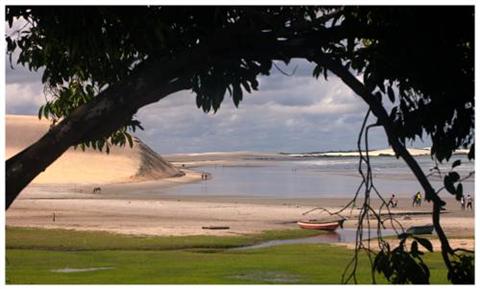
x=380 y=152
x=222 y=158
x=123 y=164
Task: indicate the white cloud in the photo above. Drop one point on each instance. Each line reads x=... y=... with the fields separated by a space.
x=301 y=114
x=24 y=97
x=297 y=113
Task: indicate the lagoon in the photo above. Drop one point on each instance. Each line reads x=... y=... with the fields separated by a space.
x=319 y=177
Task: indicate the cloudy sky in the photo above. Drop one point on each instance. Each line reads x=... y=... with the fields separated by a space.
x=289 y=113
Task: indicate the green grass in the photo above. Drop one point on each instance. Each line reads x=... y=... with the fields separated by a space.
x=71 y=240
x=33 y=253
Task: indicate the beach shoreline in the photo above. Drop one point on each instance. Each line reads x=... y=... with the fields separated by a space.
x=76 y=207
x=134 y=195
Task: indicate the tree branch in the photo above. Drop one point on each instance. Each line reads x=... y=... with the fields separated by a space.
x=150 y=81
x=380 y=112
x=107 y=112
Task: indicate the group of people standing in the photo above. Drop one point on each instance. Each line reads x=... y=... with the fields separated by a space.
x=417 y=201
x=204 y=176
x=468 y=201
x=465 y=202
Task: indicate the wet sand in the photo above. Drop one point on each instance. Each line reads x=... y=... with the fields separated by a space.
x=111 y=210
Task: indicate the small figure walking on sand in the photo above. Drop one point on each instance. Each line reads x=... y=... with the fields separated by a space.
x=393 y=202
x=417 y=200
x=469 y=202
x=204 y=176
x=462 y=203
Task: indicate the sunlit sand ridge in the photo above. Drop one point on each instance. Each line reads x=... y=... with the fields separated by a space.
x=123 y=164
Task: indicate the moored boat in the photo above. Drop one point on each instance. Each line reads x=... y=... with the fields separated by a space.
x=320 y=225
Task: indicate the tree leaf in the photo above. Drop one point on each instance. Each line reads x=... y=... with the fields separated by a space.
x=391 y=94
x=425 y=243
x=246 y=85
x=454 y=176
x=237 y=94
x=459 y=192
x=317 y=70
x=254 y=84
x=414 y=248
x=129 y=139
x=40 y=111
x=378 y=262
x=425 y=269
x=199 y=100
x=46 y=109
x=448 y=183
x=456 y=163
x=471 y=153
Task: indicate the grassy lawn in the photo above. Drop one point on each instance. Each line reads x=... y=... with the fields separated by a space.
x=62 y=240
x=32 y=254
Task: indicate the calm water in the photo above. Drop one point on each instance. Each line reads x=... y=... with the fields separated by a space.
x=314 y=177
x=339 y=236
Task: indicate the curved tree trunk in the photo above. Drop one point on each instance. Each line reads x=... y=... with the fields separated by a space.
x=400 y=150
x=151 y=81
x=110 y=110
x=155 y=79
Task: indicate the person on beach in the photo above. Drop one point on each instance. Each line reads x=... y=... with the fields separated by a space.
x=462 y=203
x=415 y=199
x=469 y=202
x=392 y=202
x=419 y=199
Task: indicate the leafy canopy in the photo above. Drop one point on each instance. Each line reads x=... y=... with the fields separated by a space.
x=418 y=58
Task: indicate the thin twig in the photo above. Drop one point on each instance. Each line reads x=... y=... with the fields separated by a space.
x=285 y=73
x=325 y=210
x=464 y=250
x=461 y=180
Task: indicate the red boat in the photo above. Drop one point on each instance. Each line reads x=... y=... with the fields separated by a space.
x=321 y=225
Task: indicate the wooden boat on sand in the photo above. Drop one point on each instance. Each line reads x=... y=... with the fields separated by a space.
x=321 y=225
